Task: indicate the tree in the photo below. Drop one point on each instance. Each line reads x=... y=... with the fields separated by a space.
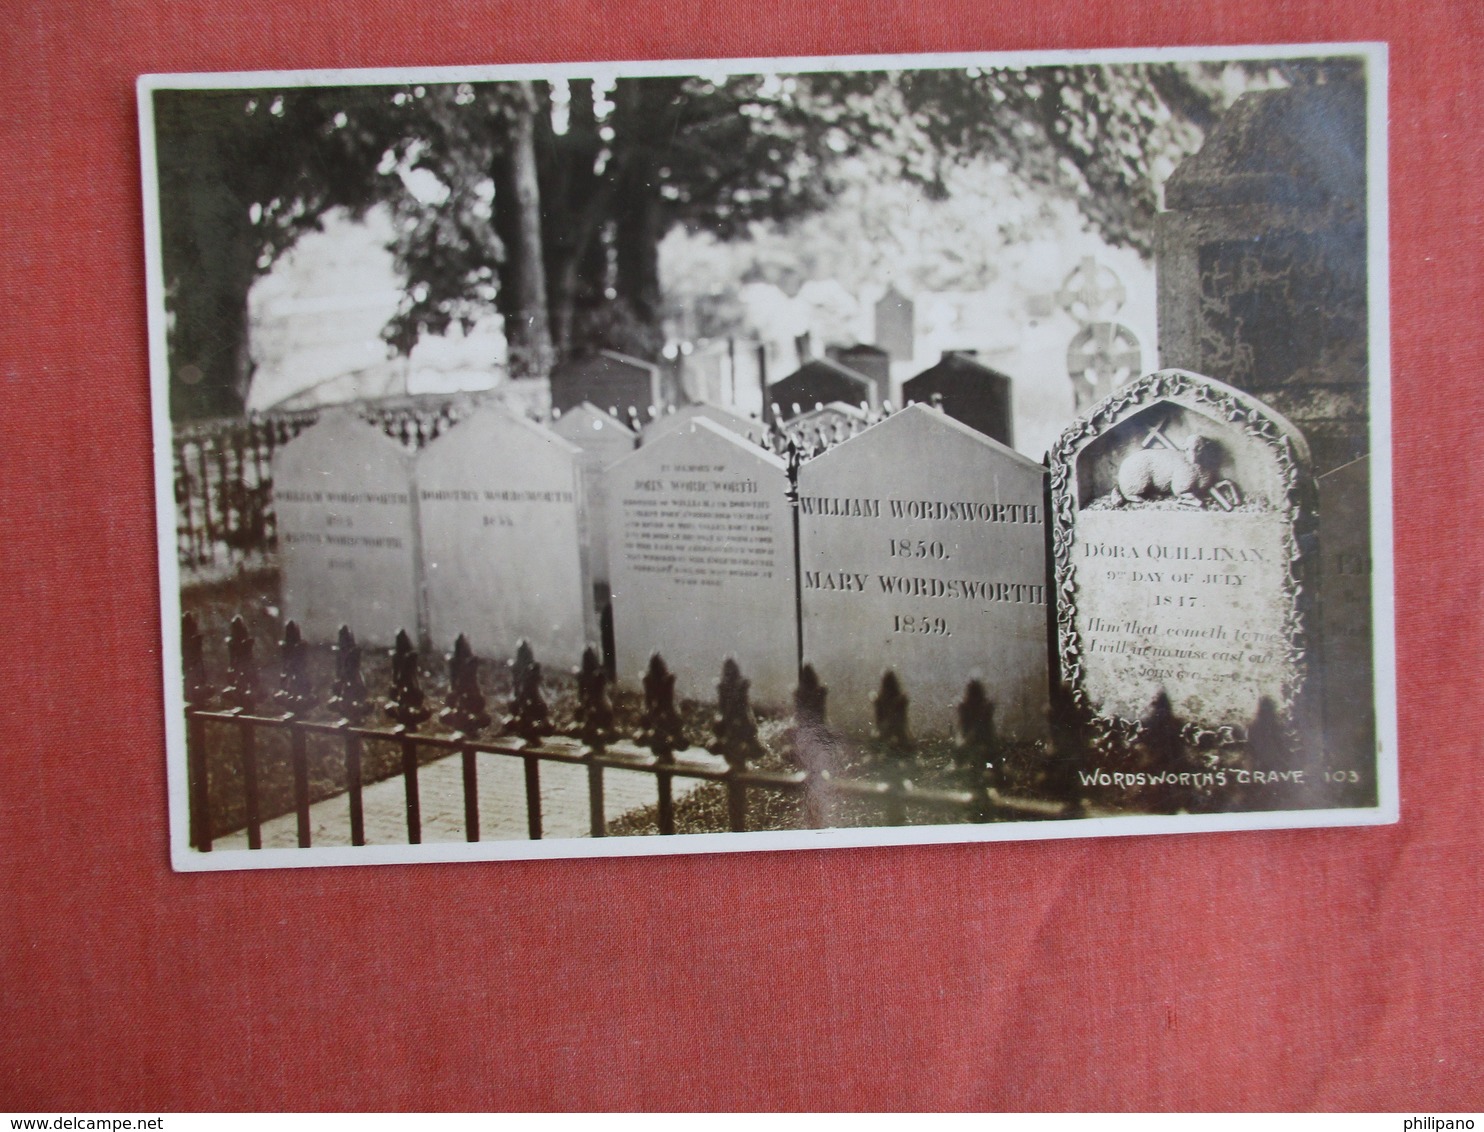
x=550 y=200
x=242 y=175
x=723 y=155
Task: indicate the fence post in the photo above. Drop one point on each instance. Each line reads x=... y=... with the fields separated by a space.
x=197 y=698
x=405 y=705
x=294 y=695
x=348 y=700
x=466 y=714
x=241 y=693
x=812 y=745
x=977 y=749
x=663 y=733
x=892 y=738
x=530 y=720
x=594 y=728
x=736 y=738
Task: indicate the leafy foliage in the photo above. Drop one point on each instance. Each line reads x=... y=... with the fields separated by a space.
x=244 y=173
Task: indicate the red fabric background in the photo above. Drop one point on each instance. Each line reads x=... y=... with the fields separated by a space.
x=1325 y=968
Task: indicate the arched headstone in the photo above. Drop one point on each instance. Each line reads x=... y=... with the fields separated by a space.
x=1181 y=516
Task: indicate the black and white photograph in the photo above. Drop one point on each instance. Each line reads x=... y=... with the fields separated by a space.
x=574 y=460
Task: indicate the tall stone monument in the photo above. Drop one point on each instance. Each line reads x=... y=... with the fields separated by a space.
x=1345 y=629
x=1182 y=521
x=1261 y=261
x=499 y=500
x=700 y=551
x=347 y=532
x=922 y=550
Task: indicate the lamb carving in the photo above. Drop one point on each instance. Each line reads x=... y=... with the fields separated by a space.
x=1184 y=474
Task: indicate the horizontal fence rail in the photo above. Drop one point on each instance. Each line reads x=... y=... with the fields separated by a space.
x=661 y=747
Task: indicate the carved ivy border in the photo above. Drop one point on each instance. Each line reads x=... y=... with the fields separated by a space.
x=1191 y=391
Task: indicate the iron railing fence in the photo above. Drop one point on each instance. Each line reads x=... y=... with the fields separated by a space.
x=234 y=714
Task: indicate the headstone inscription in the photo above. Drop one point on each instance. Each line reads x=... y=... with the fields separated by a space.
x=1261 y=260
x=1345 y=622
x=499 y=499
x=666 y=423
x=607 y=379
x=603 y=439
x=700 y=549
x=922 y=550
x=969 y=392
x=1179 y=509
x=347 y=532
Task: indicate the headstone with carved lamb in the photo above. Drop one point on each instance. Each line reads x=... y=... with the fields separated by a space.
x=1182 y=515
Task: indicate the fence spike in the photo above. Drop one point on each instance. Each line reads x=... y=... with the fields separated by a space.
x=977 y=745
x=1268 y=744
x=529 y=717
x=242 y=681
x=809 y=699
x=406 y=702
x=295 y=692
x=193 y=662
x=348 y=692
x=520 y=664
x=890 y=704
x=465 y=709
x=734 y=725
x=661 y=729
x=1159 y=733
x=594 y=709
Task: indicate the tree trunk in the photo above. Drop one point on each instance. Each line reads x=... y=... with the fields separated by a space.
x=638 y=213
x=517 y=215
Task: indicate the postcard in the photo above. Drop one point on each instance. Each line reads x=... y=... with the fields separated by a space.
x=746 y=454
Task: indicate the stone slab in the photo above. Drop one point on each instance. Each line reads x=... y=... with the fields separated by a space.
x=346 y=532
x=701 y=556
x=603 y=440
x=1346 y=623
x=499 y=499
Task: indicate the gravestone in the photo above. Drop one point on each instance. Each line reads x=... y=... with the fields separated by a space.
x=1261 y=261
x=700 y=551
x=819 y=382
x=1345 y=623
x=968 y=392
x=607 y=379
x=896 y=328
x=603 y=439
x=347 y=537
x=667 y=423
x=872 y=361
x=1180 y=507
x=499 y=500
x=922 y=550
